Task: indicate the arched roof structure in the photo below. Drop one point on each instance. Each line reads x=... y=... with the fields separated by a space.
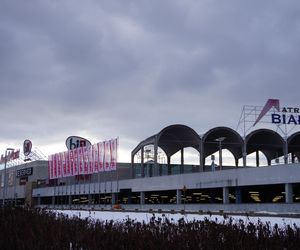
x=171 y=139
x=267 y=141
x=175 y=137
x=150 y=140
x=232 y=141
x=294 y=144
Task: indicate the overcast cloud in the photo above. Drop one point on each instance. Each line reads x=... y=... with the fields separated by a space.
x=102 y=69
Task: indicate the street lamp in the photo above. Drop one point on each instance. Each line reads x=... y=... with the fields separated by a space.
x=220 y=150
x=4 y=178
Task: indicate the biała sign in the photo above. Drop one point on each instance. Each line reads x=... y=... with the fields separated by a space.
x=284 y=115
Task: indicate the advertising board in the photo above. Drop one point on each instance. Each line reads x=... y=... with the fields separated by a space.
x=84 y=160
x=27 y=146
x=280 y=115
x=73 y=142
x=24 y=172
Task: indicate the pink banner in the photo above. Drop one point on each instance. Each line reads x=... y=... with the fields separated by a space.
x=71 y=162
x=75 y=161
x=107 y=156
x=85 y=160
x=101 y=156
x=95 y=158
x=114 y=153
x=64 y=167
x=59 y=165
x=68 y=166
x=54 y=166
x=80 y=161
x=91 y=159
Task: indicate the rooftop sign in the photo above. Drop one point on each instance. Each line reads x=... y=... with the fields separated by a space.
x=12 y=155
x=284 y=115
x=73 y=142
x=27 y=145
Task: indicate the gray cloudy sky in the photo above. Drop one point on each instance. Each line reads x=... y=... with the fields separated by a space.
x=102 y=69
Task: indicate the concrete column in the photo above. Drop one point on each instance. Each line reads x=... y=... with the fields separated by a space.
x=132 y=167
x=142 y=163
x=285 y=151
x=89 y=199
x=53 y=200
x=113 y=198
x=38 y=200
x=293 y=157
x=178 y=196
x=150 y=170
x=236 y=162
x=169 y=165
x=257 y=158
x=129 y=199
x=225 y=195
x=238 y=195
x=201 y=160
x=142 y=198
x=220 y=156
x=244 y=154
x=70 y=200
x=155 y=153
x=288 y=193
x=181 y=161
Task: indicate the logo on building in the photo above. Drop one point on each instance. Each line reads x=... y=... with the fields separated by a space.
x=73 y=142
x=27 y=146
x=269 y=104
x=12 y=155
x=24 y=172
x=284 y=115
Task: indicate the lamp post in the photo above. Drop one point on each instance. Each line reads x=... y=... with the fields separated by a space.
x=220 y=150
x=213 y=166
x=4 y=178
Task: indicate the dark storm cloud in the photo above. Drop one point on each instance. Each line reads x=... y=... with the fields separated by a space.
x=128 y=68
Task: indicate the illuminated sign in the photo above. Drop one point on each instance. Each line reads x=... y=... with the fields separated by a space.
x=12 y=155
x=27 y=145
x=73 y=142
x=24 y=172
x=284 y=115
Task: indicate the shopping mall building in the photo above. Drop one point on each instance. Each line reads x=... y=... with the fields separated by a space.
x=264 y=175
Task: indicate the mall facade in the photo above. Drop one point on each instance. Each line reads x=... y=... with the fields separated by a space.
x=151 y=181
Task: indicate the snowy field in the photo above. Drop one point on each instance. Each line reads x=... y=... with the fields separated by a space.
x=143 y=216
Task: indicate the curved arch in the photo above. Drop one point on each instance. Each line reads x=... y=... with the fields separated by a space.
x=148 y=142
x=176 y=137
x=232 y=142
x=269 y=142
x=294 y=145
x=294 y=142
x=171 y=139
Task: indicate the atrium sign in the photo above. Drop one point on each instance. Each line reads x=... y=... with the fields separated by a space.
x=284 y=115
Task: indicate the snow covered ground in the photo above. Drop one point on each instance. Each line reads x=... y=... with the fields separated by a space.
x=143 y=216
